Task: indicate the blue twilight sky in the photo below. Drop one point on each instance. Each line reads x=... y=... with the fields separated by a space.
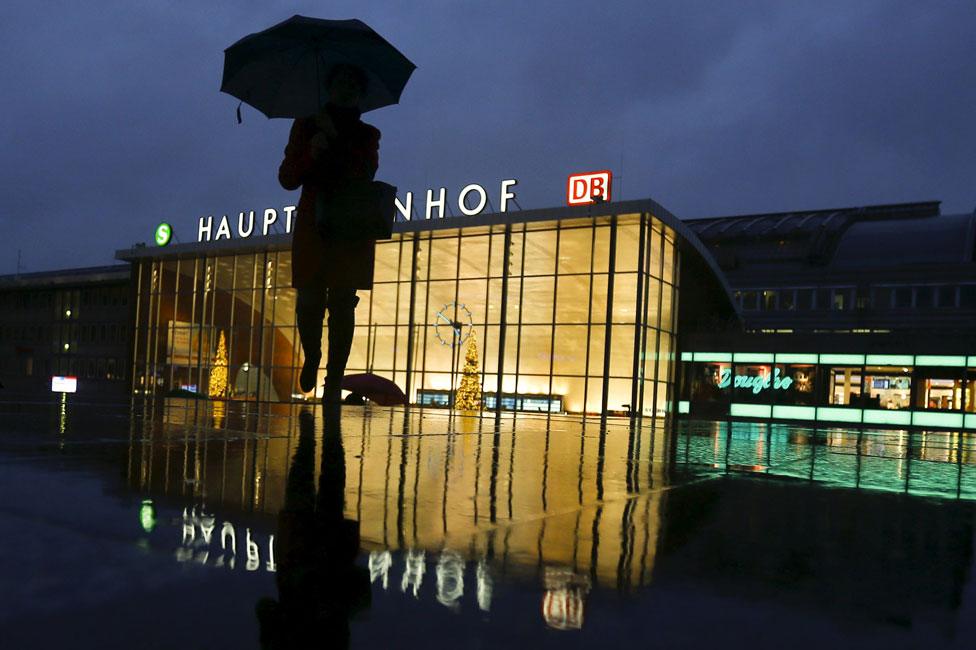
x=112 y=120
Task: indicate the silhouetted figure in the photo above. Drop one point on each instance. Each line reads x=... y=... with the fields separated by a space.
x=323 y=152
x=319 y=585
x=354 y=399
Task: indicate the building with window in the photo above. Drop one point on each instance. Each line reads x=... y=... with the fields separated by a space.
x=74 y=322
x=572 y=309
x=883 y=268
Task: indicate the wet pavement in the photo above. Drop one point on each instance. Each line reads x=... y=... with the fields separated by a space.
x=172 y=524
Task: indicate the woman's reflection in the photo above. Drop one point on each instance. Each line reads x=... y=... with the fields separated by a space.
x=319 y=585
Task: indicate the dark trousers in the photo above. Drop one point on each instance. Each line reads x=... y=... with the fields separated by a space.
x=310 y=311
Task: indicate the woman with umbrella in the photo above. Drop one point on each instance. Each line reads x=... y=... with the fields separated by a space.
x=324 y=151
x=323 y=73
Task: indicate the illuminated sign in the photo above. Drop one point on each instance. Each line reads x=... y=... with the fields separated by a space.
x=470 y=201
x=64 y=384
x=588 y=188
x=757 y=383
x=164 y=232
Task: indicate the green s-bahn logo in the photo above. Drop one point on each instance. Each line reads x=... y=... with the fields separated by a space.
x=164 y=232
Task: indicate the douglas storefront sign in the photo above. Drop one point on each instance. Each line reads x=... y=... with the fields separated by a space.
x=757 y=383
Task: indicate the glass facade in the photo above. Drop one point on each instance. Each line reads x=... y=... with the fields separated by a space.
x=564 y=315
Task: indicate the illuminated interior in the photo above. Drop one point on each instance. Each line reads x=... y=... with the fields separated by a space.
x=566 y=315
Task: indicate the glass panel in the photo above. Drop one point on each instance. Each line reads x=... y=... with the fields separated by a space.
x=597 y=333
x=537 y=299
x=471 y=294
x=667 y=303
x=622 y=358
x=939 y=388
x=795 y=384
x=624 y=297
x=619 y=395
x=572 y=302
x=887 y=387
x=224 y=273
x=474 y=257
x=628 y=243
x=598 y=301
x=569 y=350
x=570 y=389
x=535 y=349
x=574 y=250
x=515 y=252
x=494 y=309
x=845 y=386
x=601 y=250
x=540 y=252
x=664 y=358
x=444 y=258
x=497 y=256
x=385 y=268
x=383 y=303
x=668 y=274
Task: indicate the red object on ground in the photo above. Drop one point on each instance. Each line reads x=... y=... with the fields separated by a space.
x=375 y=388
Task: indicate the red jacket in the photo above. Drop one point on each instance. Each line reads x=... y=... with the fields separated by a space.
x=353 y=153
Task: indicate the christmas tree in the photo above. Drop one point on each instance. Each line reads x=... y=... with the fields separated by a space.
x=218 y=373
x=468 y=395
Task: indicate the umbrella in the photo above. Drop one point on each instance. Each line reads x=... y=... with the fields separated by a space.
x=378 y=389
x=282 y=71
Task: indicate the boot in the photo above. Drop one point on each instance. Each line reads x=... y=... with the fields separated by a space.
x=342 y=323
x=310 y=370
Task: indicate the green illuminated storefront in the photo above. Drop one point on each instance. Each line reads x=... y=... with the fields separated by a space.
x=564 y=310
x=907 y=390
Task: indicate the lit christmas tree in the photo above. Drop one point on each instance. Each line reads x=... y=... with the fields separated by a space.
x=468 y=395
x=218 y=373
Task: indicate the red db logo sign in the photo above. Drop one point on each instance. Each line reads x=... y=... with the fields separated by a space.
x=592 y=187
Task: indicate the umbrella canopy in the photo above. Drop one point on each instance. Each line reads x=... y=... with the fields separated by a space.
x=375 y=388
x=283 y=70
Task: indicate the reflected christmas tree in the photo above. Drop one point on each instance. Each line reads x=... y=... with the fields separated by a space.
x=468 y=395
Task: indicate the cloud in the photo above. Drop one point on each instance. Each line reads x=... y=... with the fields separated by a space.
x=113 y=120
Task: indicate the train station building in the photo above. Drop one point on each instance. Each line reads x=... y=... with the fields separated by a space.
x=573 y=309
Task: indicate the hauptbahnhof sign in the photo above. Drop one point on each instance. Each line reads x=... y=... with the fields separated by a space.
x=471 y=200
x=589 y=187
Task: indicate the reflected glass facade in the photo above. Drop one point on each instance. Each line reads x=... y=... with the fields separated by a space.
x=572 y=314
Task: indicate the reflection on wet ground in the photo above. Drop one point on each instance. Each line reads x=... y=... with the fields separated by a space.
x=172 y=523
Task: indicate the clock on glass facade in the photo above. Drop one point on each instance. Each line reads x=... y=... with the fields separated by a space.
x=453 y=324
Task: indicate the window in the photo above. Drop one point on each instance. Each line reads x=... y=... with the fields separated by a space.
x=887 y=387
x=839 y=301
x=786 y=300
x=822 y=299
x=967 y=296
x=946 y=295
x=924 y=297
x=769 y=302
x=939 y=388
x=794 y=384
x=845 y=386
x=883 y=297
x=749 y=300
x=804 y=298
x=903 y=297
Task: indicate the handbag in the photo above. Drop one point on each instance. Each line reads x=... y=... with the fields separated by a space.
x=357 y=209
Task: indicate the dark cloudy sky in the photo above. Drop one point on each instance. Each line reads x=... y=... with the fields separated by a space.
x=112 y=120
